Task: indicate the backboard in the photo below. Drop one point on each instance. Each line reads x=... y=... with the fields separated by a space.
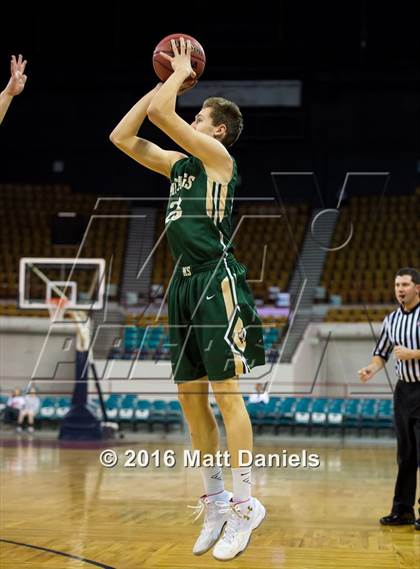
x=81 y=281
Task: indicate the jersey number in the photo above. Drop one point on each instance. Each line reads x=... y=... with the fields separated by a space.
x=175 y=213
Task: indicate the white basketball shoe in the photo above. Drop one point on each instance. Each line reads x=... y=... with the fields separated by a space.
x=243 y=518
x=216 y=513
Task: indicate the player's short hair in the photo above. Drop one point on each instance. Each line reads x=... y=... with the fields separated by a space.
x=413 y=273
x=227 y=113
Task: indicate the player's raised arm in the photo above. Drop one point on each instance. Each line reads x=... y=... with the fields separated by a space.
x=15 y=85
x=148 y=154
x=162 y=113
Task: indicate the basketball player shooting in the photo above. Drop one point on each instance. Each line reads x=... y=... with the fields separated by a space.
x=215 y=332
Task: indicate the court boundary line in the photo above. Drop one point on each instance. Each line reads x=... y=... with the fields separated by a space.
x=56 y=552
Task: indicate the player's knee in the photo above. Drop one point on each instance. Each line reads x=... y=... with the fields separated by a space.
x=229 y=403
x=192 y=404
x=186 y=399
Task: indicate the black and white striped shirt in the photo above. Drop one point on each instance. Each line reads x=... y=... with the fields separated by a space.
x=401 y=328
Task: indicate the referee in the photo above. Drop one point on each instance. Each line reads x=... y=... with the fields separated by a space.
x=400 y=333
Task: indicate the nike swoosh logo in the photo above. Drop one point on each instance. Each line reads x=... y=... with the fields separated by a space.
x=210 y=297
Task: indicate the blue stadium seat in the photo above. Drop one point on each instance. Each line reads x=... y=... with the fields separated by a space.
x=127 y=407
x=158 y=414
x=63 y=407
x=155 y=332
x=112 y=406
x=319 y=412
x=385 y=417
x=303 y=412
x=335 y=415
x=286 y=412
x=368 y=414
x=141 y=412
x=47 y=410
x=271 y=411
x=152 y=343
x=266 y=414
x=352 y=408
x=256 y=413
x=3 y=401
x=174 y=414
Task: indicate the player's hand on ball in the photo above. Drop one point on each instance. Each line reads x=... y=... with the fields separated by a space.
x=164 y=54
x=181 y=61
x=365 y=374
x=402 y=353
x=17 y=79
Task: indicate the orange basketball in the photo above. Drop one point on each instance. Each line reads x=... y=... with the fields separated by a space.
x=162 y=66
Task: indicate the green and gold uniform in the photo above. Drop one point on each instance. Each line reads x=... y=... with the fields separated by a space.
x=214 y=328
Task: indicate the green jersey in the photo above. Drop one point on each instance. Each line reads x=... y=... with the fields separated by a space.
x=198 y=217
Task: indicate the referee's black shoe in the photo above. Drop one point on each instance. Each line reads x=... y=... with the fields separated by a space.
x=398 y=519
x=417 y=524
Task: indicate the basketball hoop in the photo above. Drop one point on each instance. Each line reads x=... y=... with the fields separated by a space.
x=56 y=307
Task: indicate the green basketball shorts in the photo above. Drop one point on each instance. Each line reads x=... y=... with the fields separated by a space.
x=214 y=328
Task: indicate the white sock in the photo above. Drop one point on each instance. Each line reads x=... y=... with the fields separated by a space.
x=241 y=483
x=212 y=479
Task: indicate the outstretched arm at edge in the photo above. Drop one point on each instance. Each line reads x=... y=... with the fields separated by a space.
x=15 y=85
x=5 y=100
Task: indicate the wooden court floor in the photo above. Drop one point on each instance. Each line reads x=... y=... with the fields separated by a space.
x=61 y=509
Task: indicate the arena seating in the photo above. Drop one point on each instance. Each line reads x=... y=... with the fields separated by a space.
x=294 y=413
x=10 y=309
x=153 y=339
x=356 y=314
x=26 y=213
x=325 y=414
x=363 y=271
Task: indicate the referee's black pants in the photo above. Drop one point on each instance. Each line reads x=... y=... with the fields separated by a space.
x=407 y=427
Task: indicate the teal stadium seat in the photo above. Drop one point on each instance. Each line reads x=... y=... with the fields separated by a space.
x=264 y=414
x=335 y=415
x=385 y=417
x=141 y=412
x=130 y=338
x=112 y=406
x=3 y=401
x=319 y=412
x=303 y=412
x=256 y=413
x=127 y=407
x=63 y=407
x=368 y=414
x=158 y=414
x=270 y=412
x=47 y=410
x=352 y=408
x=174 y=414
x=286 y=412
